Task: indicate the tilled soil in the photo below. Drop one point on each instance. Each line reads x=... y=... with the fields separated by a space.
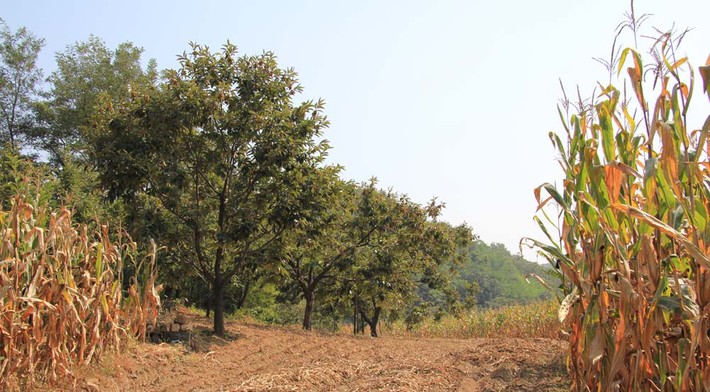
x=261 y=358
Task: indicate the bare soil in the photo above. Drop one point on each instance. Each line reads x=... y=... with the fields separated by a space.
x=265 y=358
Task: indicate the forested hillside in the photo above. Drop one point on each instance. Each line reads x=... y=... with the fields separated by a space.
x=500 y=277
x=489 y=277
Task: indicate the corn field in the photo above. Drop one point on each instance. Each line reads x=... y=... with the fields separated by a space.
x=632 y=238
x=62 y=302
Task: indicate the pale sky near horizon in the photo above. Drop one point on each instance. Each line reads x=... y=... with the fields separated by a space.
x=453 y=99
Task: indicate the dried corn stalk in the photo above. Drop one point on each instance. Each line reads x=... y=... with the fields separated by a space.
x=634 y=233
x=61 y=300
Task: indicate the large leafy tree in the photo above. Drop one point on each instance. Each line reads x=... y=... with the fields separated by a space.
x=19 y=80
x=86 y=71
x=222 y=146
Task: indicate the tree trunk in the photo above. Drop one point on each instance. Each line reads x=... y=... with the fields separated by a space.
x=375 y=320
x=371 y=322
x=310 y=298
x=209 y=305
x=355 y=317
x=243 y=295
x=219 y=308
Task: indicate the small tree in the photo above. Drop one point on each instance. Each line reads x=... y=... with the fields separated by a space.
x=324 y=245
x=406 y=250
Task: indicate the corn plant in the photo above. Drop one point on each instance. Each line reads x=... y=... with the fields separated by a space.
x=62 y=303
x=632 y=239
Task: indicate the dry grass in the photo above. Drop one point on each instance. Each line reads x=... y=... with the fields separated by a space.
x=536 y=320
x=61 y=300
x=322 y=376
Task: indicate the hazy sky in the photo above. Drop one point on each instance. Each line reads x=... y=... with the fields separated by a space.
x=435 y=98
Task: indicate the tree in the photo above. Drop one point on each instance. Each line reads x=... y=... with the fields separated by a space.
x=223 y=148
x=19 y=78
x=311 y=249
x=86 y=71
x=406 y=251
x=323 y=245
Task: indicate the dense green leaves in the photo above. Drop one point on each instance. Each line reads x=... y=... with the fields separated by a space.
x=410 y=243
x=224 y=149
x=369 y=246
x=86 y=71
x=501 y=277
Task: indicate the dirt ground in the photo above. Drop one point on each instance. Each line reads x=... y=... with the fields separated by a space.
x=261 y=358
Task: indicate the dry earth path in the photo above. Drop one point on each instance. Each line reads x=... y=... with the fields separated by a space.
x=265 y=358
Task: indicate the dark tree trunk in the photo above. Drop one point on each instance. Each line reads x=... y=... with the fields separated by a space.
x=244 y=294
x=375 y=320
x=371 y=322
x=209 y=304
x=361 y=325
x=219 y=308
x=355 y=317
x=220 y=280
x=310 y=297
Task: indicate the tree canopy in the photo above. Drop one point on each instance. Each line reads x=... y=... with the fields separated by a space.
x=221 y=145
x=86 y=71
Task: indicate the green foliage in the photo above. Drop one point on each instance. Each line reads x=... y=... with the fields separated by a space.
x=500 y=277
x=78 y=188
x=408 y=248
x=85 y=72
x=322 y=242
x=235 y=171
x=19 y=79
x=360 y=245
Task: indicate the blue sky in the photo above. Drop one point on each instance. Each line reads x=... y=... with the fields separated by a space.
x=435 y=98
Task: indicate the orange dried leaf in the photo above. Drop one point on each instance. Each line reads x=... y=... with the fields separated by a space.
x=613 y=178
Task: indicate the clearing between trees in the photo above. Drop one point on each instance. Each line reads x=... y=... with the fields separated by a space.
x=267 y=358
